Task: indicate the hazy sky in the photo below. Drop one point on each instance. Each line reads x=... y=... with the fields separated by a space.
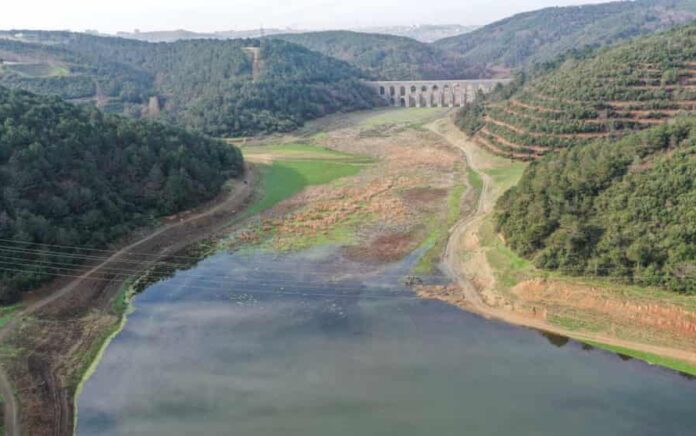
x=209 y=15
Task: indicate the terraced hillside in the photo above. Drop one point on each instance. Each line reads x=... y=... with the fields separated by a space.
x=630 y=87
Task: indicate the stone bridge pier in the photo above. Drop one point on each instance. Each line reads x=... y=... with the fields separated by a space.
x=433 y=93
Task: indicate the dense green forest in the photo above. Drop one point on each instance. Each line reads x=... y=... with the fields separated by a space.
x=542 y=35
x=623 y=209
x=203 y=84
x=73 y=176
x=48 y=68
x=387 y=57
x=589 y=94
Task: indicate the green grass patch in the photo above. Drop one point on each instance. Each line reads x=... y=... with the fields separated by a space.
x=438 y=232
x=38 y=70
x=454 y=202
x=507 y=176
x=9 y=352
x=7 y=312
x=653 y=359
x=304 y=152
x=574 y=323
x=508 y=267
x=121 y=303
x=319 y=137
x=91 y=357
x=284 y=178
x=474 y=179
x=340 y=233
x=295 y=167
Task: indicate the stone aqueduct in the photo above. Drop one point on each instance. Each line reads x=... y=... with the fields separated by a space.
x=433 y=93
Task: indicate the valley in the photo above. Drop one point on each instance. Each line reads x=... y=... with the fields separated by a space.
x=370 y=203
x=446 y=229
x=322 y=268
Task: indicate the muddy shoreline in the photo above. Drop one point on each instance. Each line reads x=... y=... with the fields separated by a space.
x=476 y=289
x=402 y=203
x=58 y=334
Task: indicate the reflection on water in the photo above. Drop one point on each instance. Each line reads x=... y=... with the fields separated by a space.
x=311 y=344
x=554 y=339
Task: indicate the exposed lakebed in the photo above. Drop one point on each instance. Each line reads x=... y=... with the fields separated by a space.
x=310 y=343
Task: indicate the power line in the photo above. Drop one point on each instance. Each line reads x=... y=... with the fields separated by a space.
x=141 y=267
x=77 y=248
x=84 y=257
x=226 y=279
x=155 y=264
x=13 y=253
x=110 y=273
x=286 y=290
x=128 y=259
x=221 y=280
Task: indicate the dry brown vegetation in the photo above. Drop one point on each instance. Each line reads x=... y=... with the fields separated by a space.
x=380 y=214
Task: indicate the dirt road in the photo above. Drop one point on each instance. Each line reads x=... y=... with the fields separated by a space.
x=455 y=264
x=197 y=226
x=451 y=258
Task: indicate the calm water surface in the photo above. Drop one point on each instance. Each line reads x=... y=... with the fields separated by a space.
x=260 y=344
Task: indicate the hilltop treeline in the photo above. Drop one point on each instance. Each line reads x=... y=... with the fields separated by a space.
x=622 y=209
x=294 y=85
x=540 y=36
x=388 y=57
x=203 y=84
x=73 y=176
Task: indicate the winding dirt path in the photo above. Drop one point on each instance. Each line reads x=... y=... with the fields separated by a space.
x=451 y=257
x=454 y=262
x=241 y=191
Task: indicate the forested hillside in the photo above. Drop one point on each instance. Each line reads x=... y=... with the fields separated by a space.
x=204 y=84
x=422 y=32
x=632 y=86
x=541 y=36
x=387 y=57
x=623 y=209
x=47 y=68
x=181 y=34
x=73 y=176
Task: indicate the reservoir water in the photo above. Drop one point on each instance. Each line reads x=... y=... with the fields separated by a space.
x=313 y=344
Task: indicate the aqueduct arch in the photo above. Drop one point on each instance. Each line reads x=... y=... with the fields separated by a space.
x=433 y=93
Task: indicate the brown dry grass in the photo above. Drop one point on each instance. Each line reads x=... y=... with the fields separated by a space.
x=383 y=248
x=378 y=212
x=652 y=318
